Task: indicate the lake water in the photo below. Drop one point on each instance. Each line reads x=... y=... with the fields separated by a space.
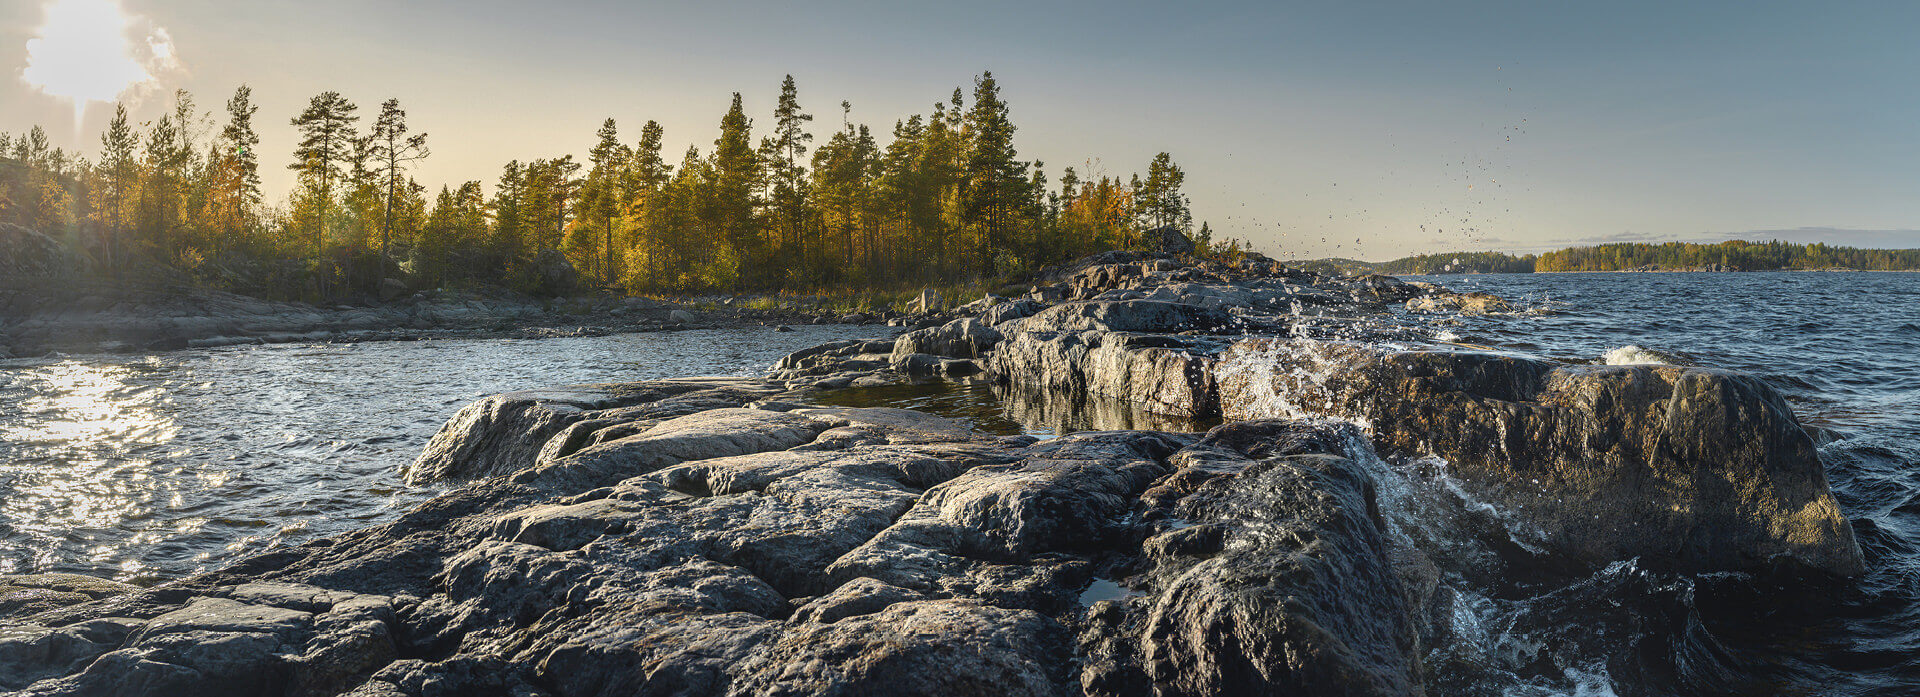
x=1845 y=348
x=152 y=467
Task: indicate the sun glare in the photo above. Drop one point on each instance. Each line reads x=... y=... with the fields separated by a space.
x=82 y=53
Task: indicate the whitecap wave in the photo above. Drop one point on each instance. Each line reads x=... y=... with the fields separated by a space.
x=1636 y=355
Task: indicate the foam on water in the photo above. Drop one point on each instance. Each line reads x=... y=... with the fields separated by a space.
x=1635 y=355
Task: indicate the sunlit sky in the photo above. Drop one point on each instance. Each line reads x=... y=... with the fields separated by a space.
x=1368 y=130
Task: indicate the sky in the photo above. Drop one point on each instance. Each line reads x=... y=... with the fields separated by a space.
x=1369 y=130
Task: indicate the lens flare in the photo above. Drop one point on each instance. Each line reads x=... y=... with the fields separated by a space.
x=82 y=53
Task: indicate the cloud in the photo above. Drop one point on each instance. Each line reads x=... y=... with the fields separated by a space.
x=82 y=52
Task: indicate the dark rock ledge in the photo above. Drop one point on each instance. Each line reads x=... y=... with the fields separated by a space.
x=730 y=537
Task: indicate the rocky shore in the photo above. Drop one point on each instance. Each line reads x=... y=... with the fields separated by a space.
x=738 y=537
x=38 y=316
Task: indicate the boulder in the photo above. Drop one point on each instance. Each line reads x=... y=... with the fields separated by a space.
x=1009 y=311
x=1378 y=288
x=1160 y=374
x=1169 y=240
x=391 y=288
x=1282 y=583
x=961 y=338
x=499 y=434
x=556 y=274
x=1688 y=469
x=509 y=432
x=928 y=300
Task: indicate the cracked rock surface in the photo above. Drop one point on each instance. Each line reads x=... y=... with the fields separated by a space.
x=788 y=550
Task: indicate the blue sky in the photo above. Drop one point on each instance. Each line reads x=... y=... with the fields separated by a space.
x=1313 y=129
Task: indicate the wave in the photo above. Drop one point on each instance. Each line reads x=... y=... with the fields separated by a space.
x=1637 y=355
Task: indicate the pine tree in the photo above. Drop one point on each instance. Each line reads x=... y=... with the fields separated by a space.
x=1161 y=202
x=121 y=181
x=165 y=161
x=233 y=173
x=327 y=143
x=995 y=181
x=606 y=191
x=783 y=154
x=736 y=175
x=391 y=152
x=509 y=214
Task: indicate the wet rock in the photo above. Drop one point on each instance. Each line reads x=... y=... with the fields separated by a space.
x=1126 y=316
x=1300 y=598
x=22 y=595
x=1689 y=469
x=1378 y=288
x=800 y=551
x=1060 y=411
x=1161 y=374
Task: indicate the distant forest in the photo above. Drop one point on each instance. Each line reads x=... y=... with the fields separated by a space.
x=1732 y=255
x=1457 y=262
x=945 y=199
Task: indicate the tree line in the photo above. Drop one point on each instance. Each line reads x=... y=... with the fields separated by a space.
x=1732 y=255
x=946 y=198
x=1458 y=262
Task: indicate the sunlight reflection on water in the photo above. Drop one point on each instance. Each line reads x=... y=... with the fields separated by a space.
x=99 y=422
x=146 y=468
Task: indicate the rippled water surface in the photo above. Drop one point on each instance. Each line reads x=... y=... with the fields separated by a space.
x=147 y=467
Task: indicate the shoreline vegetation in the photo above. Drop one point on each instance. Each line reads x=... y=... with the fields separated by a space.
x=1731 y=255
x=946 y=200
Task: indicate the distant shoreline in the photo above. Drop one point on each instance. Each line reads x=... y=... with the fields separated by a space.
x=1529 y=273
x=1524 y=273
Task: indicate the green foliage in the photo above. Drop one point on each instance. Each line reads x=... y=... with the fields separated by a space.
x=944 y=202
x=1456 y=262
x=1732 y=255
